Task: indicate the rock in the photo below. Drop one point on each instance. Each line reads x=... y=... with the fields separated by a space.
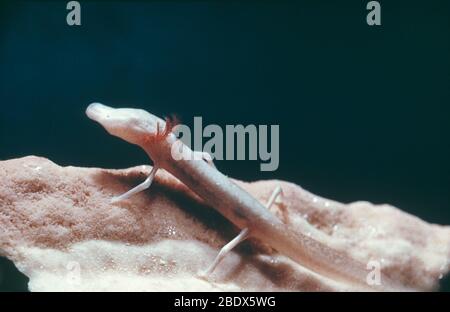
x=57 y=225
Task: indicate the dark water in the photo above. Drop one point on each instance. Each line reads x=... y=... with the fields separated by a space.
x=363 y=112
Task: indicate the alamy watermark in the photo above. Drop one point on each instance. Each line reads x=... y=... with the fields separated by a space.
x=73 y=17
x=235 y=142
x=373 y=278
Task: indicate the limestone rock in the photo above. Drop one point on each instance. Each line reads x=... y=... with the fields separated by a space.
x=59 y=228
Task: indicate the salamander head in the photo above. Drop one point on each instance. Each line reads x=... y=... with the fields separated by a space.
x=132 y=125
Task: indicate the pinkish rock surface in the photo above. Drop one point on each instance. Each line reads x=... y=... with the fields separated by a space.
x=57 y=225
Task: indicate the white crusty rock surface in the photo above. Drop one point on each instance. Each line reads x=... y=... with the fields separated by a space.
x=57 y=225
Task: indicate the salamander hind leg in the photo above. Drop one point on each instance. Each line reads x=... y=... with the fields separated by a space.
x=242 y=236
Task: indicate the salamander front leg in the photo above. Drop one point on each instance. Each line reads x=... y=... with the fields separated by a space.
x=243 y=235
x=141 y=187
x=204 y=156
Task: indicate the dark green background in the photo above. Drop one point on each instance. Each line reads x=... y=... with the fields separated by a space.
x=363 y=111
